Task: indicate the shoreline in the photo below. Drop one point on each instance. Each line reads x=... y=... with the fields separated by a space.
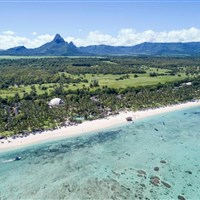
x=89 y=126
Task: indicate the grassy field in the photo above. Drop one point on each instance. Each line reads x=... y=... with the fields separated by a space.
x=141 y=80
x=104 y=80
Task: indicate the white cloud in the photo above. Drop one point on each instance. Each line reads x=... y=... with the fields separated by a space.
x=129 y=37
x=40 y=40
x=9 y=41
x=124 y=37
x=8 y=33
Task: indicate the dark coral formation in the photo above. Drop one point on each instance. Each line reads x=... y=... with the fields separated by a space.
x=155 y=180
x=156 y=169
x=180 y=197
x=166 y=184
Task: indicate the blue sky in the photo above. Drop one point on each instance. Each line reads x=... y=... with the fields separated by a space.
x=78 y=19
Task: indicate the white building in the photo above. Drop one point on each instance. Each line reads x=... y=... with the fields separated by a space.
x=56 y=102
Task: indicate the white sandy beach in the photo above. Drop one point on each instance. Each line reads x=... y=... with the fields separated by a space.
x=89 y=126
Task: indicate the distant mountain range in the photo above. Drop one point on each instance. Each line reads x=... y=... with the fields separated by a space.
x=58 y=47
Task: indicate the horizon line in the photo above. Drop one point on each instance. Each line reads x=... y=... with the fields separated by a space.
x=103 y=1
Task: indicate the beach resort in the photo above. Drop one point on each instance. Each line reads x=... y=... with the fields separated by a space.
x=89 y=126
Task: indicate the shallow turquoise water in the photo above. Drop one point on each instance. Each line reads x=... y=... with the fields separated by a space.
x=114 y=164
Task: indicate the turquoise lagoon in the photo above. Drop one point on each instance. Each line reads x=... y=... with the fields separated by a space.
x=116 y=163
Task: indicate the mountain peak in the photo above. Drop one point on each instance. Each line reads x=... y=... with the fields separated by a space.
x=19 y=48
x=58 y=39
x=71 y=44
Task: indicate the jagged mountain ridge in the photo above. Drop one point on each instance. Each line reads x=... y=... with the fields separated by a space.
x=58 y=47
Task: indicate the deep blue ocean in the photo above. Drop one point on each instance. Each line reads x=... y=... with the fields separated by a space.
x=153 y=158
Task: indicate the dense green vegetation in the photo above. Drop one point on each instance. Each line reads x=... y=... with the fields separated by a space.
x=91 y=87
